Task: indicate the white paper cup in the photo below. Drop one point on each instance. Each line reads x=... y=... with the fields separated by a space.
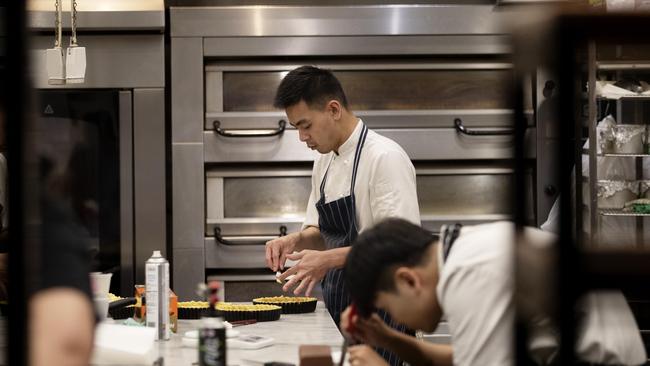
x=100 y=283
x=101 y=306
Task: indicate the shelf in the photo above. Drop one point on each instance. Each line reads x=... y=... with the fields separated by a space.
x=625 y=97
x=623 y=65
x=625 y=155
x=619 y=212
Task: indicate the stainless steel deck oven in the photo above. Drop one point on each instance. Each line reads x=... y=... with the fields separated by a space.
x=436 y=79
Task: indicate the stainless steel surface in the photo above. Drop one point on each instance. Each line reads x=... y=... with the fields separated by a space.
x=188 y=215
x=272 y=21
x=593 y=141
x=188 y=271
x=266 y=197
x=465 y=194
x=187 y=89
x=237 y=133
x=252 y=277
x=423 y=118
x=126 y=189
x=235 y=50
x=252 y=226
x=287 y=147
x=624 y=65
x=415 y=141
x=449 y=145
x=221 y=256
x=547 y=181
x=373 y=45
x=463 y=129
x=416 y=86
x=100 y=14
x=406 y=63
x=149 y=176
x=125 y=61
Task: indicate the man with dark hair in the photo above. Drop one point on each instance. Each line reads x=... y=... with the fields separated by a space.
x=359 y=179
x=467 y=275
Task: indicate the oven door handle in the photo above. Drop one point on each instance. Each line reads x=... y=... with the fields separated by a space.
x=458 y=123
x=282 y=124
x=246 y=240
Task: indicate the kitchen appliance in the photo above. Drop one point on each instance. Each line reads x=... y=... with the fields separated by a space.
x=436 y=79
x=111 y=127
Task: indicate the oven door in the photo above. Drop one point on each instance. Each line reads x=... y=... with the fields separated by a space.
x=469 y=194
x=85 y=142
x=247 y=206
x=435 y=110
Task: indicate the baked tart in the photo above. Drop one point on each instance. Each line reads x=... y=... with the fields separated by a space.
x=121 y=312
x=191 y=309
x=289 y=304
x=237 y=312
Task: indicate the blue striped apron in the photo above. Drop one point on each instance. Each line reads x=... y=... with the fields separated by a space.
x=338 y=227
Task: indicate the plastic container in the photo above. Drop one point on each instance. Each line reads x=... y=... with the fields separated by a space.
x=605 y=133
x=613 y=194
x=628 y=139
x=157 y=294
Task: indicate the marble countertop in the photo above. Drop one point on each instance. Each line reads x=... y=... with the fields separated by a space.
x=291 y=331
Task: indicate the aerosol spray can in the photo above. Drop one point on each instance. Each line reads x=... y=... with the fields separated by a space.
x=157 y=294
x=212 y=333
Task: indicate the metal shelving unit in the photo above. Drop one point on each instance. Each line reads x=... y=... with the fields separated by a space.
x=616 y=212
x=596 y=214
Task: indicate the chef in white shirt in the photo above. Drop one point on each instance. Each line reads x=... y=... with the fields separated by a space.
x=467 y=274
x=359 y=179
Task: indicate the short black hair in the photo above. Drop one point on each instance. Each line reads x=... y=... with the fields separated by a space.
x=313 y=85
x=377 y=253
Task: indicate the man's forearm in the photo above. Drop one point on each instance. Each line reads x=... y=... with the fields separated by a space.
x=310 y=238
x=336 y=257
x=417 y=352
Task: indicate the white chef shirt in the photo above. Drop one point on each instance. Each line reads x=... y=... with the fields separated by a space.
x=385 y=185
x=475 y=290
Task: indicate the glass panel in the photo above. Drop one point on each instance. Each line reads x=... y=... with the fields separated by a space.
x=382 y=89
x=266 y=196
x=78 y=149
x=464 y=194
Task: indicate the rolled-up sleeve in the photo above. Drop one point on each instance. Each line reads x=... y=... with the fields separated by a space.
x=393 y=191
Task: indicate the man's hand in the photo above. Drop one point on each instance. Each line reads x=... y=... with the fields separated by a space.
x=278 y=249
x=310 y=270
x=364 y=355
x=372 y=331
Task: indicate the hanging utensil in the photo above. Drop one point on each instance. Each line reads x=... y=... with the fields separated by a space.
x=55 y=57
x=75 y=61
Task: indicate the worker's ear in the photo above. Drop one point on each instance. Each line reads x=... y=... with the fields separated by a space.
x=407 y=280
x=334 y=109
